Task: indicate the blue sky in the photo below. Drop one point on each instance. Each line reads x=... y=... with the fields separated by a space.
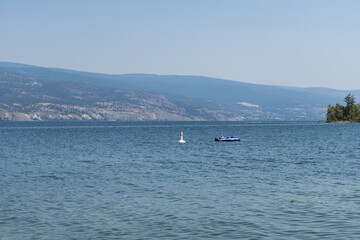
x=294 y=43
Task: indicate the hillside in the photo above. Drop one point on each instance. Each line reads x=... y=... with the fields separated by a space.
x=24 y=98
x=31 y=92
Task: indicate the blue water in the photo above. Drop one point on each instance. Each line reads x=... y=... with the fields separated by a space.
x=132 y=180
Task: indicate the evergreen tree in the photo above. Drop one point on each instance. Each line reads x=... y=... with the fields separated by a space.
x=339 y=112
x=350 y=102
x=350 y=112
x=331 y=114
x=354 y=114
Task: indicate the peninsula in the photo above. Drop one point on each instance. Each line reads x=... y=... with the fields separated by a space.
x=348 y=113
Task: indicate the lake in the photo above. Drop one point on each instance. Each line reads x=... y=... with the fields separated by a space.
x=133 y=180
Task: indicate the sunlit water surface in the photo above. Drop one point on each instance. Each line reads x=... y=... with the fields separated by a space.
x=126 y=180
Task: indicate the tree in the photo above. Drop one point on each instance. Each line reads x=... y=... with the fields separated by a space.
x=339 y=112
x=350 y=102
x=354 y=114
x=350 y=112
x=330 y=117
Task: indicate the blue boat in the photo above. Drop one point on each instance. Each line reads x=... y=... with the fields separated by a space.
x=227 y=139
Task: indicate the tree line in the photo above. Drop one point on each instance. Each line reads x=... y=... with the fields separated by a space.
x=350 y=112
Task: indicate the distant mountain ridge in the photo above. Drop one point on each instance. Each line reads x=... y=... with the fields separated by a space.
x=151 y=97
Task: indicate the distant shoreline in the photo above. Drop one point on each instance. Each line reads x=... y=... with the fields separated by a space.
x=339 y=122
x=93 y=120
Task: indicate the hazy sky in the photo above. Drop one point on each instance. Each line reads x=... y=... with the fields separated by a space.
x=306 y=43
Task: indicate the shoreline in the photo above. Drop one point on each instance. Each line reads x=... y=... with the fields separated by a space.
x=340 y=122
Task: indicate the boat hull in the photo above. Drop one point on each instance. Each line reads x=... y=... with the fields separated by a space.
x=227 y=139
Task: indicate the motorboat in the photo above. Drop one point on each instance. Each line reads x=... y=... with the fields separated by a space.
x=227 y=139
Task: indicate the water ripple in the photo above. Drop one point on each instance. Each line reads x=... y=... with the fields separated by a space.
x=97 y=180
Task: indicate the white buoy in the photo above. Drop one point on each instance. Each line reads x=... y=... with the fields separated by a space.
x=181 y=138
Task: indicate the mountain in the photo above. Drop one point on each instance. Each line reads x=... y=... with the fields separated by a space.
x=24 y=97
x=39 y=91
